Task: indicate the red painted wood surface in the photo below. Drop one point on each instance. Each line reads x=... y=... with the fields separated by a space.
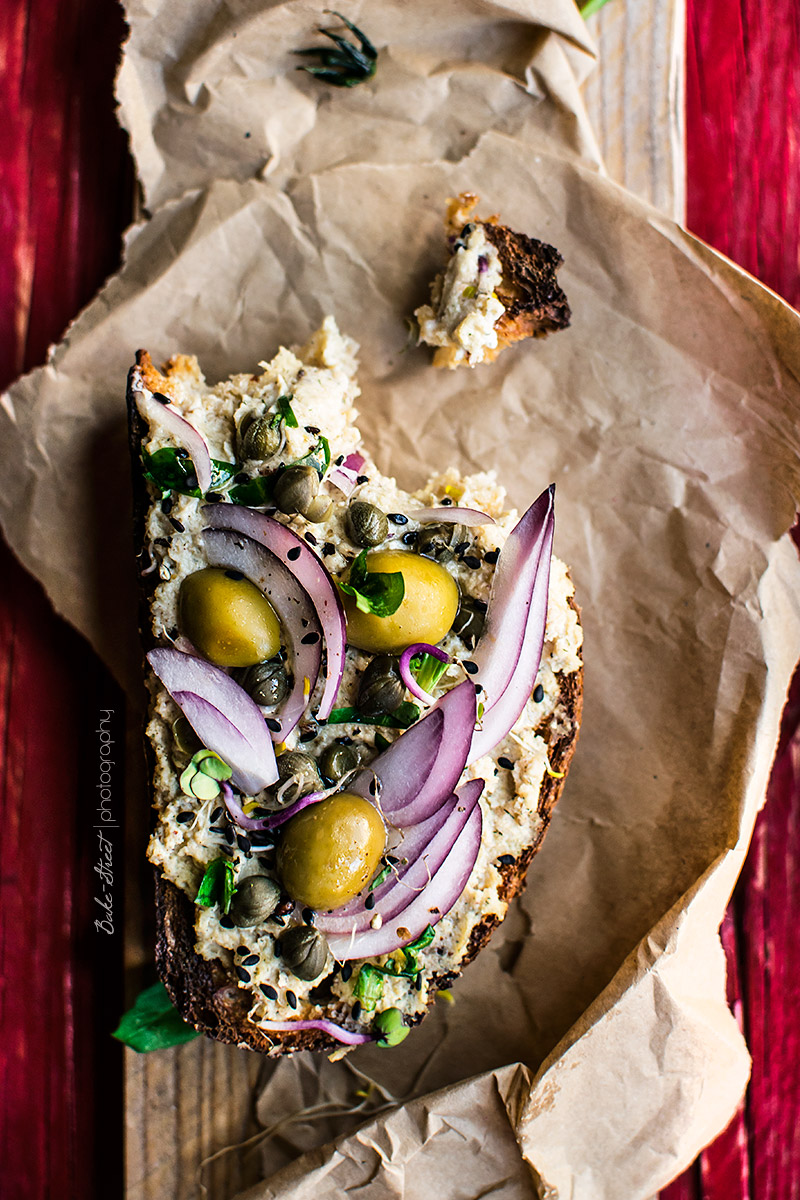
x=65 y=183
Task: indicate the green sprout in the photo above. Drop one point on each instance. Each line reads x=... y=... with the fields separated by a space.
x=346 y=64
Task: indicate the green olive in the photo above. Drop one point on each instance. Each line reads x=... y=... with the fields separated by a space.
x=304 y=950
x=331 y=850
x=366 y=524
x=425 y=614
x=440 y=541
x=259 y=438
x=254 y=900
x=381 y=688
x=229 y=620
x=295 y=489
x=267 y=682
x=470 y=619
x=301 y=768
x=336 y=760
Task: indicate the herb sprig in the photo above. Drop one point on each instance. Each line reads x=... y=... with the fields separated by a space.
x=217 y=886
x=378 y=592
x=403 y=717
x=153 y=1023
x=345 y=65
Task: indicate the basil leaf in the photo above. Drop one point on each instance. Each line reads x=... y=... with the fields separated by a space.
x=428 y=670
x=369 y=987
x=402 y=717
x=285 y=413
x=378 y=592
x=256 y=493
x=217 y=885
x=171 y=469
x=153 y=1023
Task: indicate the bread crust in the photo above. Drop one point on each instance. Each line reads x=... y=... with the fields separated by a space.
x=204 y=991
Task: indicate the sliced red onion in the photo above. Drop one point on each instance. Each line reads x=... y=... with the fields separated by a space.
x=235 y=551
x=519 y=589
x=402 y=769
x=345 y=475
x=237 y=812
x=166 y=417
x=458 y=707
x=330 y=1027
x=407 y=675
x=424 y=848
x=427 y=907
x=222 y=715
x=451 y=514
x=310 y=573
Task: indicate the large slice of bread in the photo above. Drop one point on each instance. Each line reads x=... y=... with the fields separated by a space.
x=199 y=971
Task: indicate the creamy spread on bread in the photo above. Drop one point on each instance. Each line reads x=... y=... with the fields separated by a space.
x=190 y=833
x=464 y=307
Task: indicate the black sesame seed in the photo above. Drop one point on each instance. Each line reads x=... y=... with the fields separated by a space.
x=291 y=999
x=491 y=556
x=242 y=477
x=312 y=428
x=250 y=961
x=312 y=541
x=538 y=694
x=173 y=632
x=162 y=541
x=373 y=787
x=294 y=553
x=166 y=505
x=234 y=575
x=481 y=605
x=409 y=538
x=398 y=518
x=340 y=460
x=308 y=736
x=479 y=688
x=470 y=667
x=242 y=974
x=226 y=923
x=308 y=916
x=328 y=548
x=177 y=524
x=506 y=762
x=310 y=639
x=229 y=836
x=506 y=860
x=357 y=1011
x=278 y=919
x=362 y=479
x=471 y=561
x=214 y=497
x=269 y=991
x=241 y=950
x=184 y=817
x=344 y=741
x=272 y=725
x=216 y=829
x=370 y=901
x=216 y=814
x=390 y=858
x=446 y=500
x=243 y=843
x=461 y=548
x=162 y=399
x=347 y=971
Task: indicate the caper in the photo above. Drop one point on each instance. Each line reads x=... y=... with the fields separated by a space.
x=318 y=510
x=366 y=524
x=295 y=488
x=381 y=689
x=336 y=760
x=267 y=682
x=439 y=541
x=304 y=950
x=469 y=621
x=187 y=742
x=301 y=769
x=259 y=439
x=254 y=900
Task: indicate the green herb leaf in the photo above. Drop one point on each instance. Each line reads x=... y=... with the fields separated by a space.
x=378 y=592
x=411 y=951
x=217 y=885
x=285 y=413
x=153 y=1023
x=470 y=291
x=428 y=670
x=256 y=493
x=348 y=64
x=403 y=716
x=368 y=987
x=171 y=469
x=390 y=1027
x=318 y=457
x=379 y=878
x=211 y=764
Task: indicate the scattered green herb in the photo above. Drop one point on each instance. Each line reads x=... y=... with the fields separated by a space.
x=403 y=716
x=285 y=413
x=171 y=469
x=153 y=1023
x=256 y=493
x=217 y=886
x=368 y=987
x=378 y=592
x=379 y=878
x=411 y=951
x=346 y=65
x=318 y=457
x=469 y=291
x=428 y=670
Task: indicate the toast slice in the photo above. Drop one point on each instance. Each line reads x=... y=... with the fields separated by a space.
x=200 y=953
x=499 y=287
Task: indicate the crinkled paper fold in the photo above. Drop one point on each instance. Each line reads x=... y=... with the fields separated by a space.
x=590 y=1052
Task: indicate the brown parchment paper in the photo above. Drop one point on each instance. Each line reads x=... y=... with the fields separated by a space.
x=668 y=417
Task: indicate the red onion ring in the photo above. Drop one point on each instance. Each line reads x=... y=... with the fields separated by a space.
x=330 y=1027
x=166 y=417
x=407 y=675
x=309 y=571
x=452 y=515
